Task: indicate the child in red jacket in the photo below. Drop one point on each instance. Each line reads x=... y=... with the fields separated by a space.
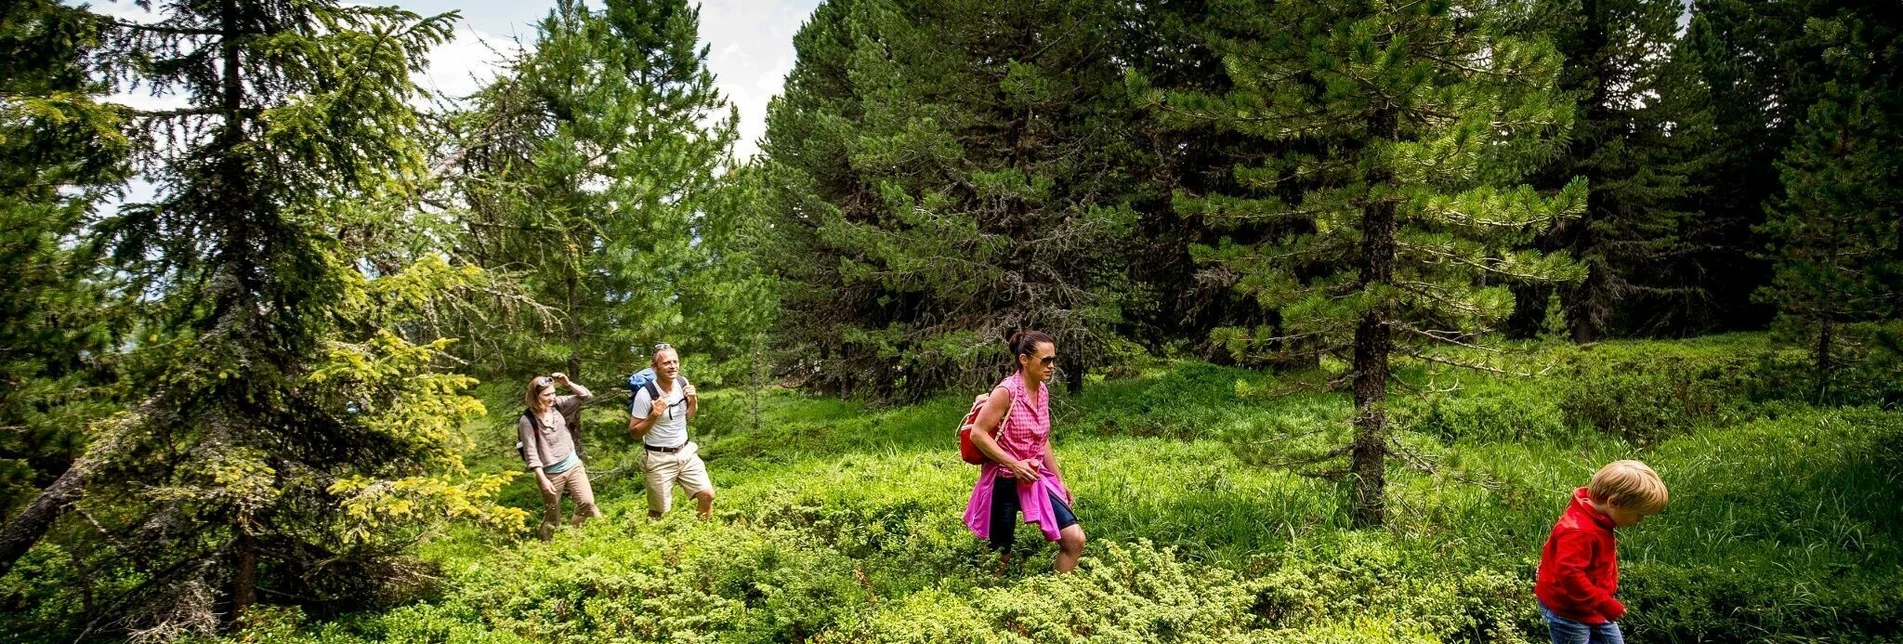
x=1579 y=565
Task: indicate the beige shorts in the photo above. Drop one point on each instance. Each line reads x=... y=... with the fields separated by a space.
x=665 y=469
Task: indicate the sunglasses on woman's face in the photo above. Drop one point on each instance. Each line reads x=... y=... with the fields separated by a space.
x=1047 y=360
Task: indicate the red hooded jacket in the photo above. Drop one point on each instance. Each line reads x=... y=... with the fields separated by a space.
x=1579 y=566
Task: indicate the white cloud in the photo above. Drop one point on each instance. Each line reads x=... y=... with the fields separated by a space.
x=460 y=67
x=750 y=53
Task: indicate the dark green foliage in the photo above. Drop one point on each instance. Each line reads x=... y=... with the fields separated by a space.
x=1486 y=417
x=1734 y=45
x=1763 y=67
x=1642 y=393
x=61 y=153
x=946 y=173
x=1178 y=300
x=1640 y=115
x=280 y=421
x=1404 y=130
x=1837 y=231
x=1646 y=399
x=593 y=171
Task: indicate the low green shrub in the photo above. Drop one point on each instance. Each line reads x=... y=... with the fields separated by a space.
x=1136 y=592
x=1649 y=396
x=1866 y=375
x=1723 y=603
x=1486 y=413
x=842 y=523
x=1189 y=402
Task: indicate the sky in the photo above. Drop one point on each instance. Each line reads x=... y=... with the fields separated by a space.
x=750 y=48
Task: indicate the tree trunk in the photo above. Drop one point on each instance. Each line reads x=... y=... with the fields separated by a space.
x=1373 y=342
x=1588 y=303
x=1828 y=303
x=574 y=352
x=1529 y=310
x=756 y=383
x=1824 y=364
x=244 y=581
x=19 y=534
x=1074 y=377
x=574 y=325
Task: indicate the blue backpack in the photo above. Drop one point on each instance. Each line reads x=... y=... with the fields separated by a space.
x=645 y=379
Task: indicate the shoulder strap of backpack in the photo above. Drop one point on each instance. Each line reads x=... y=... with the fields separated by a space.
x=537 y=436
x=1011 y=400
x=997 y=433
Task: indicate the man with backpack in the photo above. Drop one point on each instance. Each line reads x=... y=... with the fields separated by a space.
x=658 y=414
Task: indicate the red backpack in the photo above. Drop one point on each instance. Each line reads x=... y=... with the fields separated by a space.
x=966 y=449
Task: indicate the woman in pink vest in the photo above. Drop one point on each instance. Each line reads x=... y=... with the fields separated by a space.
x=1022 y=475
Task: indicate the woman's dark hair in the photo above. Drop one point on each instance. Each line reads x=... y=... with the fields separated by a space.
x=1024 y=343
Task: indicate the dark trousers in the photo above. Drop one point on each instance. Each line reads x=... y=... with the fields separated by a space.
x=1004 y=513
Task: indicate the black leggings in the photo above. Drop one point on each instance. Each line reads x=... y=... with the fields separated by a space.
x=1004 y=513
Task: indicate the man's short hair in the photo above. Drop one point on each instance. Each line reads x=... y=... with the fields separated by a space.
x=1628 y=485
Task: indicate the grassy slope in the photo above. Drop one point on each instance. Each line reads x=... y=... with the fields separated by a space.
x=842 y=523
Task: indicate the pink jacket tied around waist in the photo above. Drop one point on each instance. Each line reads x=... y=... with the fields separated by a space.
x=1026 y=434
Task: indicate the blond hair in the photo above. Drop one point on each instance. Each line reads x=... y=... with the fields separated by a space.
x=534 y=396
x=1628 y=485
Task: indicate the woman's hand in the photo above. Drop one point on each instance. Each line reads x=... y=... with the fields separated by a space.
x=560 y=377
x=1024 y=471
x=541 y=480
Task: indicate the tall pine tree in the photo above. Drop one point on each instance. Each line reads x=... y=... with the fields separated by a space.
x=595 y=170
x=1177 y=299
x=282 y=428
x=1752 y=66
x=947 y=172
x=1408 y=125
x=61 y=154
x=1836 y=233
x=1638 y=118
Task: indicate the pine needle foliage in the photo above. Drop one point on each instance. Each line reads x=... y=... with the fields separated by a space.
x=1408 y=124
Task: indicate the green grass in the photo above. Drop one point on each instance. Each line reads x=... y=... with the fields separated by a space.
x=841 y=522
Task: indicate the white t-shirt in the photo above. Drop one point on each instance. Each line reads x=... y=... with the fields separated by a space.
x=670 y=430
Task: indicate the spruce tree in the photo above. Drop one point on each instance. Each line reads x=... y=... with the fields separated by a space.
x=61 y=154
x=945 y=173
x=1760 y=74
x=1408 y=126
x=1638 y=117
x=285 y=436
x=1175 y=299
x=595 y=169
x=1835 y=231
